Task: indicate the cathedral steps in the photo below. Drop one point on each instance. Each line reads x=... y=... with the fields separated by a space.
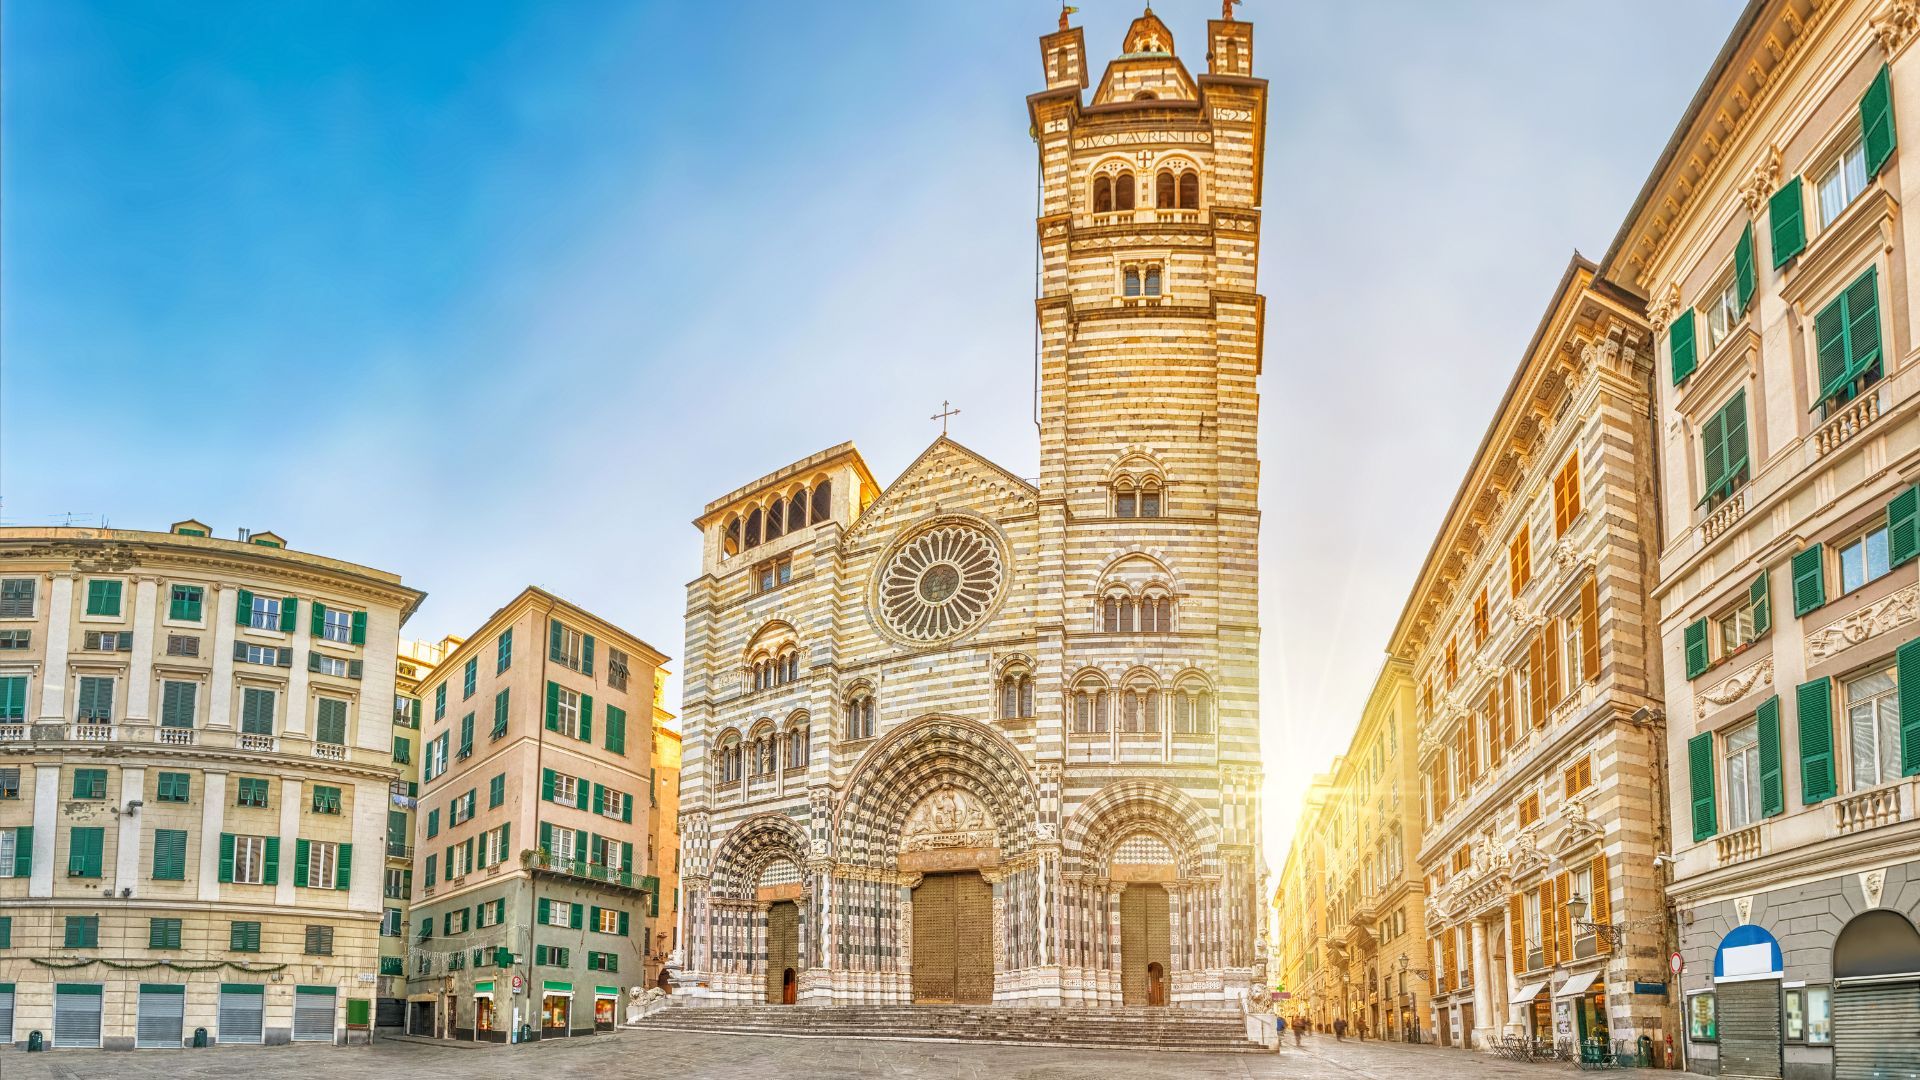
x=1193 y=1030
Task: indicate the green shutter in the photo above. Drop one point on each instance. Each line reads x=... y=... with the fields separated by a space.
x=546 y=784
x=576 y=916
x=586 y=655
x=504 y=826
x=1814 y=701
x=616 y=730
x=358 y=635
x=1773 y=788
x=271 y=876
x=300 y=863
x=553 y=706
x=1696 y=639
x=1903 y=526
x=1786 y=222
x=546 y=837
x=586 y=718
x=626 y=852
x=1700 y=776
x=1863 y=323
x=545 y=909
x=594 y=922
x=317 y=621
x=289 y=614
x=1743 y=275
x=1909 y=679
x=1809 y=581
x=1713 y=441
x=226 y=857
x=598 y=793
x=1876 y=121
x=626 y=811
x=623 y=924
x=580 y=841
x=23 y=852
x=556 y=641
x=1761 y=598
x=243 y=609
x=343 y=870
x=1682 y=345
x=1733 y=450
x=169 y=855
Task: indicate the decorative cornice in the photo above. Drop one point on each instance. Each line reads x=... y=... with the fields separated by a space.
x=1896 y=25
x=1761 y=182
x=1893 y=611
x=1661 y=311
x=1734 y=687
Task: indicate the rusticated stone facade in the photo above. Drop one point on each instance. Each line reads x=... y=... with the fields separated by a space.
x=1050 y=686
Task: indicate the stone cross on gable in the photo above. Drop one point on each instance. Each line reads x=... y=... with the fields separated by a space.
x=946 y=410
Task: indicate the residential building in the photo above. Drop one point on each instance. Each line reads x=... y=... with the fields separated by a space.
x=416 y=660
x=907 y=709
x=1527 y=637
x=536 y=808
x=663 y=842
x=1301 y=911
x=195 y=740
x=1771 y=253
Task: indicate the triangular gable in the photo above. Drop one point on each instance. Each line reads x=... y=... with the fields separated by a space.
x=944 y=453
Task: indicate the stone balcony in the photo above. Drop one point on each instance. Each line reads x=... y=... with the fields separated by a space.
x=1730 y=510
x=1871 y=809
x=1738 y=847
x=1846 y=422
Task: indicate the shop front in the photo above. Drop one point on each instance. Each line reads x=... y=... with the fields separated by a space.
x=486 y=1022
x=556 y=1010
x=1580 y=1009
x=606 y=1000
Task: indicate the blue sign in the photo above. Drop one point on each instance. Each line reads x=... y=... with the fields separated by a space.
x=1747 y=953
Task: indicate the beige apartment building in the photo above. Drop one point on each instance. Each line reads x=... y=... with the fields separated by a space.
x=1527 y=638
x=195 y=741
x=1771 y=254
x=1299 y=902
x=663 y=848
x=416 y=661
x=533 y=897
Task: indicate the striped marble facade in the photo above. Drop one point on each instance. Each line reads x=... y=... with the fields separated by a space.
x=1094 y=725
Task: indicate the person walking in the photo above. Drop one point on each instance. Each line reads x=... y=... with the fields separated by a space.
x=1299 y=1027
x=1279 y=1031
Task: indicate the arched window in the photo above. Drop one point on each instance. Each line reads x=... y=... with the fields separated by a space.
x=1163 y=194
x=791 y=668
x=797 y=511
x=1126 y=502
x=753 y=528
x=860 y=720
x=1190 y=191
x=797 y=748
x=1144 y=95
x=776 y=519
x=1127 y=623
x=730 y=541
x=1193 y=711
x=1130 y=281
x=1009 y=697
x=1123 y=191
x=1110 y=614
x=1082 y=711
x=1130 y=711
x=1102 y=195
x=1150 y=501
x=1153 y=280
x=1150 y=712
x=1026 y=695
x=822 y=500
x=730 y=758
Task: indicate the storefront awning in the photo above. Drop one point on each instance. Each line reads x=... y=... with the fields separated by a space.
x=483 y=989
x=1576 y=984
x=606 y=991
x=1526 y=993
x=558 y=989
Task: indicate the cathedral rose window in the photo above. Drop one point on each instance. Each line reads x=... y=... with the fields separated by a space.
x=940 y=583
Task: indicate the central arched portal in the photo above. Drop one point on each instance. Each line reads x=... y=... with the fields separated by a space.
x=953 y=939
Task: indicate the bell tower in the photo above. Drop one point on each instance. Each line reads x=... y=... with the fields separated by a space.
x=1150 y=334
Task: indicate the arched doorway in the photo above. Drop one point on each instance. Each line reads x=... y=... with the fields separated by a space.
x=1156 y=984
x=779 y=886
x=1146 y=945
x=1747 y=970
x=789 y=987
x=953 y=939
x=1876 y=998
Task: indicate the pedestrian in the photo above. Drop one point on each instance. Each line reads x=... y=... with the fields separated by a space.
x=1299 y=1026
x=1340 y=1029
x=1363 y=1029
x=1279 y=1031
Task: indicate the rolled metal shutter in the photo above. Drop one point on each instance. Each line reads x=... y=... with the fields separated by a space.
x=242 y=1017
x=6 y=1013
x=1750 y=1028
x=1876 y=1030
x=76 y=1015
x=313 y=1014
x=162 y=1015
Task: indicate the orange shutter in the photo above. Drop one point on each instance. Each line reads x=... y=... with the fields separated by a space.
x=1565 y=916
x=1537 y=682
x=1549 y=940
x=1590 y=629
x=1448 y=958
x=1517 y=931
x=1555 y=689
x=1602 y=904
x=1471 y=739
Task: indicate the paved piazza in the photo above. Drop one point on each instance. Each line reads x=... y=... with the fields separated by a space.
x=703 y=1055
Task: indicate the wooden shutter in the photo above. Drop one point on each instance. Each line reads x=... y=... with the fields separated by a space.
x=1556 y=689
x=1601 y=911
x=1743 y=275
x=1517 y=931
x=1762 y=601
x=1700 y=785
x=1448 y=957
x=289 y=614
x=1830 y=345
x=271 y=876
x=357 y=635
x=300 y=851
x=1713 y=440
x=1773 y=791
x=1876 y=121
x=343 y=865
x=1786 y=223
x=1681 y=346
x=1733 y=448
x=23 y=852
x=576 y=917
x=226 y=857
x=586 y=718
x=1590 y=629
x=1809 y=581
x=1863 y=323
x=1565 y=915
x=1814 y=703
x=317 y=619
x=243 y=609
x=1908 y=677
x=1903 y=526
x=1549 y=929
x=1696 y=642
x=586 y=654
x=553 y=706
x=1537 y=681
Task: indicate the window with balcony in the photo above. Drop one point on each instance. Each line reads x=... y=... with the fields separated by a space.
x=1847 y=342
x=1723 y=450
x=1873 y=728
x=265 y=613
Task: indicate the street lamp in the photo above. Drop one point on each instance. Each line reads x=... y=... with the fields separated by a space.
x=1609 y=934
x=1418 y=973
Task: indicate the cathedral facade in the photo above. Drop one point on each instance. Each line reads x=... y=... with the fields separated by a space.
x=966 y=739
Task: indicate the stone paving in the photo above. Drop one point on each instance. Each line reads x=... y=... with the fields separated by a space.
x=657 y=1054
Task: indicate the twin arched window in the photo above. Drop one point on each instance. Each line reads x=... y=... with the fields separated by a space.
x=1140 y=280
x=1133 y=499
x=797 y=747
x=781 y=515
x=731 y=758
x=774 y=671
x=860 y=716
x=1173 y=190
x=1113 y=193
x=1016 y=696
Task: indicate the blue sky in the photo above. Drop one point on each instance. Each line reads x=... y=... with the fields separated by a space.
x=499 y=293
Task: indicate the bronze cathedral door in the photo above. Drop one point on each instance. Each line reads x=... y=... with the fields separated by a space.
x=953 y=939
x=1145 y=945
x=783 y=952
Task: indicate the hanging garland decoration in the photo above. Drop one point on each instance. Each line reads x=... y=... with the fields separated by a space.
x=172 y=965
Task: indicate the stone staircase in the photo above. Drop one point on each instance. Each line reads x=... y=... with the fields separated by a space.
x=1193 y=1030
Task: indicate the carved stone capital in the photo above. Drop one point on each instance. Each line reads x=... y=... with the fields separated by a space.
x=1662 y=310
x=1896 y=25
x=1761 y=182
